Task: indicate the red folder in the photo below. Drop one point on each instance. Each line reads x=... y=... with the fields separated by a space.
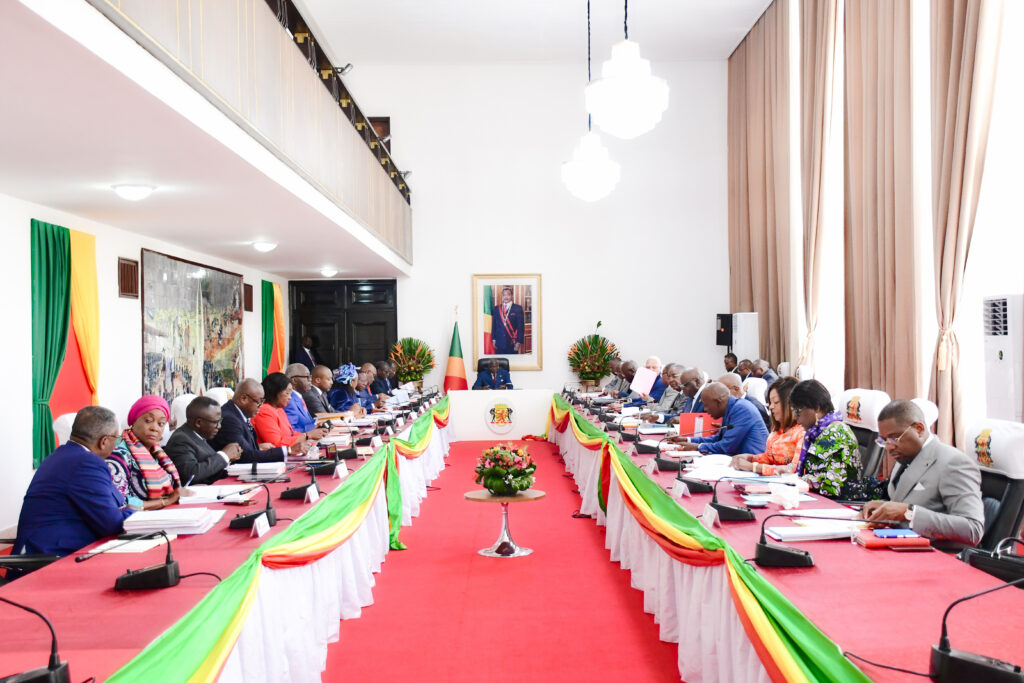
x=868 y=539
x=697 y=422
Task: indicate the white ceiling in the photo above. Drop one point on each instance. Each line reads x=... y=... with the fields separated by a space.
x=471 y=31
x=72 y=126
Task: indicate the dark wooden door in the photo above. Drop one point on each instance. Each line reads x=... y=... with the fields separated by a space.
x=350 y=320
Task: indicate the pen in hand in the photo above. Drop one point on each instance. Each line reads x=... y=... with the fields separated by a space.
x=190 y=480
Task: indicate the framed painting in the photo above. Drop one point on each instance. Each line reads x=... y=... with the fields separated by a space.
x=507 y=320
x=191 y=326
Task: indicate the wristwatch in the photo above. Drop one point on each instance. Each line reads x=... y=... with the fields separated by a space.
x=909 y=514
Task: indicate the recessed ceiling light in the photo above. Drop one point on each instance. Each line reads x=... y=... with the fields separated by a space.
x=264 y=246
x=327 y=271
x=133 y=193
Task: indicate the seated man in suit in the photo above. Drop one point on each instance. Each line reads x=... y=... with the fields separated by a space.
x=746 y=432
x=235 y=427
x=760 y=368
x=732 y=382
x=382 y=386
x=743 y=368
x=934 y=489
x=615 y=384
x=493 y=377
x=730 y=362
x=670 y=376
x=658 y=388
x=627 y=371
x=321 y=381
x=367 y=400
x=72 y=501
x=692 y=383
x=298 y=414
x=195 y=459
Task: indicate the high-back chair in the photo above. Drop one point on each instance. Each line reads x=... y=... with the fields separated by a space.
x=220 y=394
x=62 y=427
x=178 y=407
x=860 y=409
x=998 y=447
x=804 y=372
x=756 y=388
x=930 y=410
x=784 y=369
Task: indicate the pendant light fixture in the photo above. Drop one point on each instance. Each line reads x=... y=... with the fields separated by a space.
x=590 y=174
x=627 y=101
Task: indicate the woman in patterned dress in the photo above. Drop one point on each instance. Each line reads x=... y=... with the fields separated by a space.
x=829 y=455
x=782 y=451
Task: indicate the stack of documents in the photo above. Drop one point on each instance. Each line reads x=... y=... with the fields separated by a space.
x=208 y=495
x=263 y=468
x=655 y=429
x=816 y=529
x=182 y=521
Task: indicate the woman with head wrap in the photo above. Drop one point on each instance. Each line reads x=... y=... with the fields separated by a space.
x=343 y=395
x=140 y=469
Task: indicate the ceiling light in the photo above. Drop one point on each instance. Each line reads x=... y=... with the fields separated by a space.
x=327 y=271
x=627 y=101
x=591 y=174
x=133 y=193
x=264 y=246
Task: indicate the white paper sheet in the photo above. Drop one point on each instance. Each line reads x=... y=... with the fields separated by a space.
x=643 y=380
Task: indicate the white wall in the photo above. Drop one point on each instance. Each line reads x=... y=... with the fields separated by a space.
x=486 y=144
x=120 y=330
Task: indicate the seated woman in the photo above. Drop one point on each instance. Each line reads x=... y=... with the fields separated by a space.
x=829 y=455
x=343 y=396
x=271 y=422
x=782 y=451
x=140 y=469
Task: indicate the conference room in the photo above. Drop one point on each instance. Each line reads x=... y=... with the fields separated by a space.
x=727 y=292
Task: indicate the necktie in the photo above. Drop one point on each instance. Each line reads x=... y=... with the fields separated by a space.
x=899 y=475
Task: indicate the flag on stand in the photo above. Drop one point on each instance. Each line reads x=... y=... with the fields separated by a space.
x=455 y=372
x=488 y=342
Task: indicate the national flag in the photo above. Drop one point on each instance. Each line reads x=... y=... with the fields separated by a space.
x=455 y=372
x=488 y=341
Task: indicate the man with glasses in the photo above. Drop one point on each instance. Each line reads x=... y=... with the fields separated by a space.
x=188 y=447
x=690 y=399
x=235 y=427
x=72 y=501
x=935 y=489
x=298 y=414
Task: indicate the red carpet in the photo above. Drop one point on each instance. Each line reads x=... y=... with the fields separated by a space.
x=444 y=613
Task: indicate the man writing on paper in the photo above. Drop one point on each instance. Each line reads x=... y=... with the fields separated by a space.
x=195 y=459
x=742 y=431
x=235 y=427
x=935 y=489
x=508 y=326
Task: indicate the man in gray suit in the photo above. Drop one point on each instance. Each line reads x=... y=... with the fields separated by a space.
x=321 y=381
x=196 y=460
x=934 y=488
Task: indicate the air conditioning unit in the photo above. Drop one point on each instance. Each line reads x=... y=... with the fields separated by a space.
x=746 y=342
x=1003 y=329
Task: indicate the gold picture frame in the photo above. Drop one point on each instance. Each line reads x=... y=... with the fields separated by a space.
x=515 y=330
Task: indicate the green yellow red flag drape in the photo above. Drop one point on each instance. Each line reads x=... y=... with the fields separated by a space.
x=455 y=372
x=789 y=646
x=273 y=327
x=488 y=303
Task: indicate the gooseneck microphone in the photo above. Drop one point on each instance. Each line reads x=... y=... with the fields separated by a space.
x=948 y=664
x=775 y=555
x=54 y=672
x=299 y=492
x=731 y=513
x=158 y=576
x=245 y=521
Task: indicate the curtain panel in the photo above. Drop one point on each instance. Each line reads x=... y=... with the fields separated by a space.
x=51 y=308
x=267 y=323
x=759 y=166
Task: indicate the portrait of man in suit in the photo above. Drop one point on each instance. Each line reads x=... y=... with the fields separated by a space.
x=508 y=329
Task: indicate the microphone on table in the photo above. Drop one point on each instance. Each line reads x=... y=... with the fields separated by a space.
x=695 y=485
x=55 y=671
x=246 y=521
x=948 y=664
x=775 y=555
x=158 y=576
x=731 y=513
x=299 y=492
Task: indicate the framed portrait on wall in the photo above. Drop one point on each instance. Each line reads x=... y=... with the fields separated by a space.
x=191 y=326
x=507 y=320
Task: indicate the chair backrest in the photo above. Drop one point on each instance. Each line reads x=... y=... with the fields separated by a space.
x=860 y=409
x=484 y=362
x=930 y=410
x=755 y=388
x=62 y=427
x=178 y=407
x=220 y=394
x=784 y=368
x=998 y=447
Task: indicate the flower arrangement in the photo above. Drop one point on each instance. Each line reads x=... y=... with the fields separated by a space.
x=505 y=470
x=589 y=356
x=412 y=358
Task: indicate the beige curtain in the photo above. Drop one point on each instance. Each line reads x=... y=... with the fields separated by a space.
x=759 y=211
x=819 y=25
x=964 y=51
x=881 y=272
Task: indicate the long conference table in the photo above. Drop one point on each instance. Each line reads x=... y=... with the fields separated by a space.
x=882 y=605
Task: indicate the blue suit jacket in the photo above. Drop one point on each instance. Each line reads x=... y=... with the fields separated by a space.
x=503 y=341
x=484 y=379
x=748 y=433
x=298 y=413
x=236 y=428
x=658 y=388
x=381 y=386
x=70 y=503
x=366 y=399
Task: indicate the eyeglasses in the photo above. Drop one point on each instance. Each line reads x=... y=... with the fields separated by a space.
x=257 y=401
x=796 y=411
x=889 y=441
x=213 y=422
x=686 y=384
